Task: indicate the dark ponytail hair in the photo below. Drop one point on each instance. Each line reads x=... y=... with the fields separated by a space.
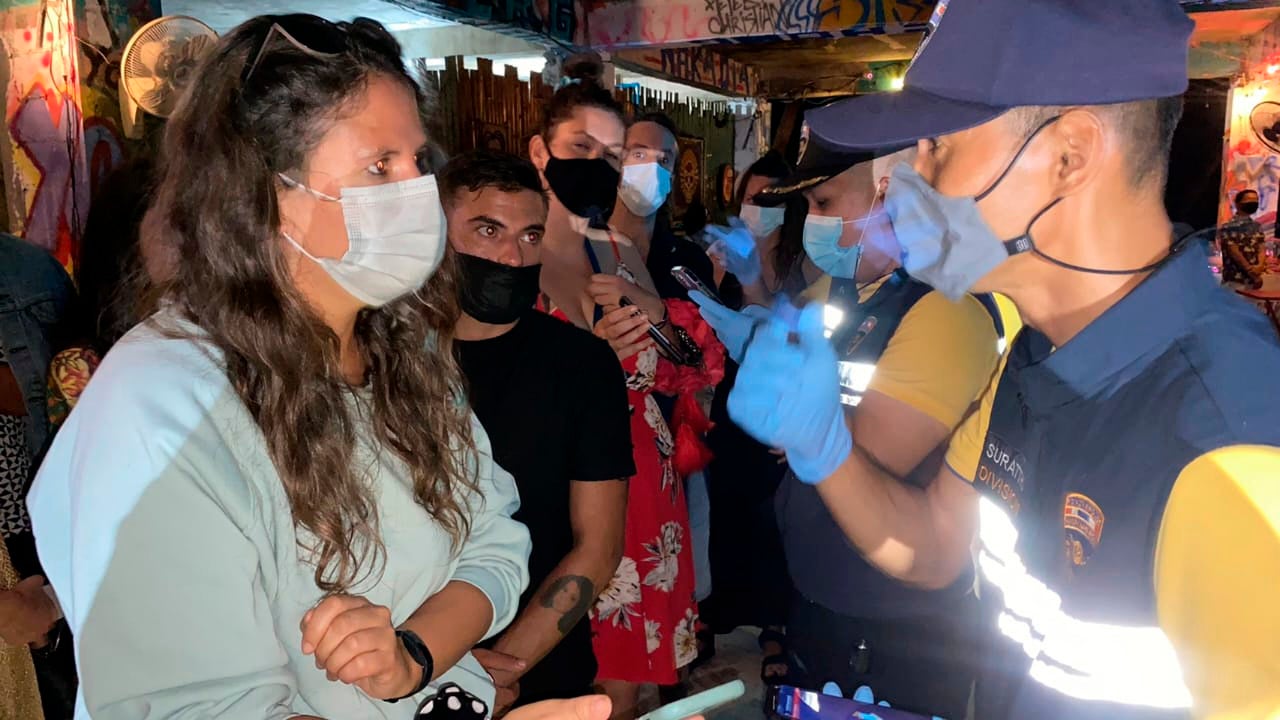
x=581 y=87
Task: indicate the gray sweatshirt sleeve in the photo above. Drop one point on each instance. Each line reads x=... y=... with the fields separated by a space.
x=495 y=557
x=150 y=536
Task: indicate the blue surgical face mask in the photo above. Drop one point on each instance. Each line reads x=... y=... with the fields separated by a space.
x=644 y=188
x=822 y=242
x=761 y=221
x=822 y=245
x=945 y=241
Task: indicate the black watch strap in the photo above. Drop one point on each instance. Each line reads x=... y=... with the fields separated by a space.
x=421 y=655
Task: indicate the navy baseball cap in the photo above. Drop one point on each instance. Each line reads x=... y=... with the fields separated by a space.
x=982 y=58
x=818 y=163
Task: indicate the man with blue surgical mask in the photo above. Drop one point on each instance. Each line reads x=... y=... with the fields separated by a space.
x=911 y=363
x=1123 y=446
x=648 y=166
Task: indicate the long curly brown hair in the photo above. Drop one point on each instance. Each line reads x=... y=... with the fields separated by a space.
x=252 y=113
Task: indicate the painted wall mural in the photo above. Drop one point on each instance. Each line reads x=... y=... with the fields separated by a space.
x=62 y=111
x=45 y=176
x=681 y=22
x=1247 y=162
x=104 y=26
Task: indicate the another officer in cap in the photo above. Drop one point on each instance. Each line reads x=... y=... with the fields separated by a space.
x=911 y=365
x=1116 y=475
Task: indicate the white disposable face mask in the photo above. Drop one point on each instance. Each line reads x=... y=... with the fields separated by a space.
x=761 y=221
x=396 y=235
x=644 y=188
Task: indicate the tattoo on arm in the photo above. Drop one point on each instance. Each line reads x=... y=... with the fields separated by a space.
x=571 y=596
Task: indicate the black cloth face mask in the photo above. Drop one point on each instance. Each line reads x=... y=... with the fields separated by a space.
x=1248 y=208
x=494 y=293
x=587 y=188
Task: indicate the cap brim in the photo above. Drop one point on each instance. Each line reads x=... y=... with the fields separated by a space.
x=794 y=184
x=868 y=122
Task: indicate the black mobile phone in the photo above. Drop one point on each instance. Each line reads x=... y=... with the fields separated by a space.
x=689 y=281
x=665 y=346
x=792 y=703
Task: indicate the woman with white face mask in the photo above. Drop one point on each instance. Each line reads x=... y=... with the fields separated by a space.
x=596 y=277
x=775 y=232
x=273 y=501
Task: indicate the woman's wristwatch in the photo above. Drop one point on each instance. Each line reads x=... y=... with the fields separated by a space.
x=421 y=655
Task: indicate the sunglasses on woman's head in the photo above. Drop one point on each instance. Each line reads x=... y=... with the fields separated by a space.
x=312 y=35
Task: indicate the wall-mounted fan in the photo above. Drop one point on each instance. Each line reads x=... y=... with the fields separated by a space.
x=156 y=66
x=1265 y=121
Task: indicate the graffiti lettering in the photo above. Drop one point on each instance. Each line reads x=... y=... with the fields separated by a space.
x=702 y=66
x=741 y=17
x=671 y=22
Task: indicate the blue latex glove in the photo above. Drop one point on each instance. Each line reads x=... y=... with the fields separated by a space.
x=864 y=695
x=732 y=327
x=736 y=250
x=787 y=395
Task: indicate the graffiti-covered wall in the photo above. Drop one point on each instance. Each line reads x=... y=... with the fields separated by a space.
x=61 y=111
x=638 y=23
x=1250 y=159
x=104 y=27
x=45 y=179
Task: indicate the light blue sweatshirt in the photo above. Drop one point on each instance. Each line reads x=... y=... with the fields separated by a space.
x=166 y=532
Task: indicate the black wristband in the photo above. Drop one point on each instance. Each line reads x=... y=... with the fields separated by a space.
x=421 y=655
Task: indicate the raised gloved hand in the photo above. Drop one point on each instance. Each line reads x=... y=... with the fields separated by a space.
x=732 y=327
x=787 y=395
x=863 y=695
x=735 y=249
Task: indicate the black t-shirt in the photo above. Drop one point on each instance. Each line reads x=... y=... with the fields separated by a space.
x=553 y=400
x=667 y=251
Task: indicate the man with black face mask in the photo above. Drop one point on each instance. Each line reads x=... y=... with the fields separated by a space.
x=1243 y=244
x=1118 y=480
x=538 y=385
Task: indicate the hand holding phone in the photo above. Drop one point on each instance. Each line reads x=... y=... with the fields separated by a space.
x=698 y=704
x=665 y=346
x=792 y=703
x=691 y=282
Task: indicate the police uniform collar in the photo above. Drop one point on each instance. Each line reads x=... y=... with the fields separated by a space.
x=1120 y=343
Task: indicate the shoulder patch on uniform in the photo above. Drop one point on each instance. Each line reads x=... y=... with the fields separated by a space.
x=1083 y=521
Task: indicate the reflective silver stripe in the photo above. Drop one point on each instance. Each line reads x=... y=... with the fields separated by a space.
x=856 y=376
x=832 y=316
x=1081 y=659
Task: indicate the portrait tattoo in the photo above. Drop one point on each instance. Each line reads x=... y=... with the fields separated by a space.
x=571 y=596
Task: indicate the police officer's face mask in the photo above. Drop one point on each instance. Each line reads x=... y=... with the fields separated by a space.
x=945 y=241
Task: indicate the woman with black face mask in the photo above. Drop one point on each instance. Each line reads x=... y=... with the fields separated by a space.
x=643 y=623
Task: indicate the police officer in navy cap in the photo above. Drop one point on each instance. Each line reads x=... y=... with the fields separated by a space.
x=1114 y=479
x=911 y=364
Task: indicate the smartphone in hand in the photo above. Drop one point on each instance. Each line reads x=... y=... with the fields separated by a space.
x=689 y=281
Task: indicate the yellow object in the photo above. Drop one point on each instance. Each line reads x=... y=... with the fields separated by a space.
x=19 y=695
x=1217 y=571
x=939 y=358
x=1218 y=581
x=966 y=444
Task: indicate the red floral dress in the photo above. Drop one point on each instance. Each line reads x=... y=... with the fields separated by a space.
x=643 y=623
